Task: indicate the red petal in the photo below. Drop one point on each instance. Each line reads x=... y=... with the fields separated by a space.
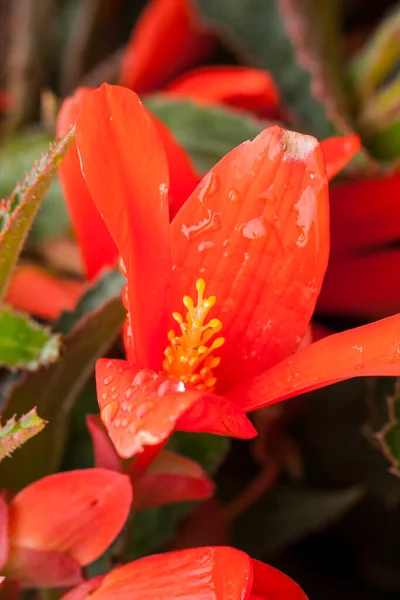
x=140 y=408
x=104 y=453
x=166 y=40
x=78 y=513
x=37 y=569
x=365 y=213
x=241 y=87
x=338 y=151
x=210 y=573
x=3 y=532
x=34 y=290
x=271 y=584
x=373 y=349
x=126 y=171
x=183 y=178
x=256 y=229
x=97 y=247
x=84 y=590
x=172 y=478
x=363 y=286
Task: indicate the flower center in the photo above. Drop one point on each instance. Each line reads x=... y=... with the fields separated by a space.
x=189 y=355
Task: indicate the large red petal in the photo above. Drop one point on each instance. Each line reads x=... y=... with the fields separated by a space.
x=256 y=229
x=172 y=478
x=42 y=569
x=166 y=40
x=241 y=87
x=373 y=349
x=365 y=213
x=96 y=244
x=33 y=290
x=338 y=151
x=362 y=286
x=141 y=408
x=3 y=531
x=183 y=178
x=271 y=584
x=209 y=573
x=126 y=170
x=78 y=513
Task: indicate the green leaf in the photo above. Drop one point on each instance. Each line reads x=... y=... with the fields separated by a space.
x=16 y=158
x=206 y=133
x=389 y=436
x=16 y=432
x=287 y=514
x=24 y=343
x=19 y=210
x=299 y=43
x=56 y=388
x=206 y=449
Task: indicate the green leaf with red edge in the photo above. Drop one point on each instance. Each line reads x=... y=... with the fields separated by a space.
x=19 y=210
x=389 y=436
x=16 y=432
x=24 y=343
x=88 y=334
x=298 y=42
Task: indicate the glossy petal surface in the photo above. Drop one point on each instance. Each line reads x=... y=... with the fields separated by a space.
x=240 y=87
x=269 y=583
x=35 y=291
x=166 y=40
x=42 y=568
x=338 y=151
x=203 y=573
x=373 y=349
x=96 y=244
x=140 y=408
x=365 y=213
x=362 y=285
x=126 y=170
x=78 y=513
x=256 y=230
x=183 y=178
x=172 y=478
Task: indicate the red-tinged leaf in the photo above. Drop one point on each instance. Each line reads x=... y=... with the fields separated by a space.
x=19 y=210
x=16 y=432
x=42 y=569
x=105 y=456
x=144 y=460
x=212 y=573
x=117 y=139
x=261 y=215
x=365 y=213
x=182 y=175
x=33 y=290
x=141 y=408
x=245 y=88
x=269 y=583
x=362 y=285
x=3 y=532
x=84 y=590
x=167 y=39
x=171 y=478
x=338 y=151
x=372 y=349
x=78 y=513
x=86 y=219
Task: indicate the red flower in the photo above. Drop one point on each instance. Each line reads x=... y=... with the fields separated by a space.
x=60 y=523
x=212 y=573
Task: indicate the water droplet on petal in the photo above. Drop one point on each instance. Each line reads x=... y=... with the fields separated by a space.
x=269 y=195
x=212 y=222
x=233 y=196
x=254 y=229
x=109 y=364
x=104 y=396
x=108 y=413
x=205 y=245
x=128 y=393
x=107 y=380
x=208 y=186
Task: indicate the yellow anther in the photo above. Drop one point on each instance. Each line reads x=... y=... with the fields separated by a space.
x=189 y=356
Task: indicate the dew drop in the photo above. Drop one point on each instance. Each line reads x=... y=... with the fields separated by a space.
x=233 y=196
x=205 y=246
x=109 y=364
x=108 y=413
x=108 y=379
x=269 y=195
x=301 y=239
x=104 y=396
x=121 y=266
x=212 y=222
x=128 y=393
x=208 y=186
x=114 y=388
x=254 y=229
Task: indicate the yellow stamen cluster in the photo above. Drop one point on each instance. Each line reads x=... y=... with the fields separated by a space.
x=189 y=357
